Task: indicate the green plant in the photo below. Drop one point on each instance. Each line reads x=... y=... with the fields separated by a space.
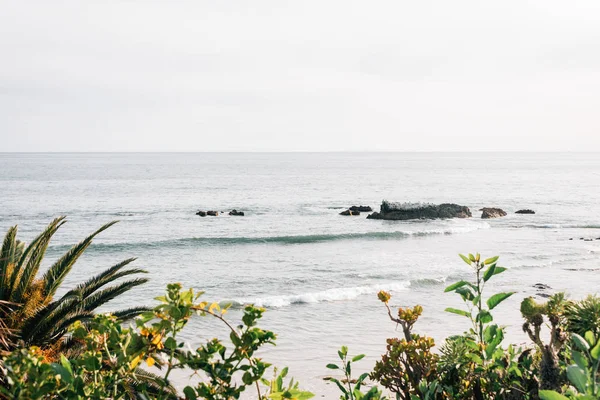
x=486 y=370
x=34 y=317
x=107 y=366
x=277 y=390
x=551 y=373
x=583 y=374
x=583 y=316
x=472 y=295
x=349 y=387
x=409 y=366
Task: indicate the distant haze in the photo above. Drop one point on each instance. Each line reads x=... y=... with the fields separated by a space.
x=299 y=76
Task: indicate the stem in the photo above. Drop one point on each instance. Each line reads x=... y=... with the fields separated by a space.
x=405 y=328
x=220 y=318
x=348 y=377
x=479 y=304
x=170 y=364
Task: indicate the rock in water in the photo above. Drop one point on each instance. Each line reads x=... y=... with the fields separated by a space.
x=350 y=212
x=406 y=211
x=361 y=208
x=236 y=213
x=212 y=213
x=527 y=211
x=201 y=213
x=489 y=212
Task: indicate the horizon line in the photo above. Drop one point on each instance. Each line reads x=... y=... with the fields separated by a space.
x=301 y=151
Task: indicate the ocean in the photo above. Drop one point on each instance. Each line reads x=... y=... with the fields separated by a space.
x=317 y=273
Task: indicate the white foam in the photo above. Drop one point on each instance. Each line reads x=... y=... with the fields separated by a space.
x=335 y=294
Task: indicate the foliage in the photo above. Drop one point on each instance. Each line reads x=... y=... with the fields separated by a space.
x=32 y=316
x=277 y=390
x=349 y=387
x=108 y=365
x=97 y=356
x=583 y=374
x=550 y=371
x=409 y=362
x=583 y=316
x=485 y=369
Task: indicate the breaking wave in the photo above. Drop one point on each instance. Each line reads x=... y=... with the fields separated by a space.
x=329 y=295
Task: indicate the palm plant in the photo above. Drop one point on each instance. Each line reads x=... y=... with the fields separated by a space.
x=32 y=316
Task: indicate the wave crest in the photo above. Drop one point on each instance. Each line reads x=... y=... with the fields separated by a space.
x=329 y=295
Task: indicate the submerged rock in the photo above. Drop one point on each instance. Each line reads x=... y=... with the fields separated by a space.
x=541 y=286
x=201 y=213
x=350 y=212
x=491 y=212
x=236 y=213
x=526 y=211
x=212 y=213
x=361 y=208
x=406 y=211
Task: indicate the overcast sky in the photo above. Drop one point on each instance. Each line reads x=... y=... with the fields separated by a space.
x=299 y=76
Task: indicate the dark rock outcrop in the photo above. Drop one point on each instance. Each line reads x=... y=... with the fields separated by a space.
x=350 y=212
x=201 y=213
x=527 y=211
x=541 y=286
x=490 y=212
x=212 y=213
x=361 y=208
x=390 y=211
x=236 y=213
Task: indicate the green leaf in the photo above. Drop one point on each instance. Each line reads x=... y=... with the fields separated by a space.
x=499 y=270
x=491 y=260
x=489 y=272
x=580 y=360
x=457 y=311
x=497 y=299
x=170 y=343
x=577 y=377
x=595 y=352
x=332 y=366
x=580 y=342
x=484 y=316
x=465 y=293
x=590 y=338
x=465 y=259
x=551 y=395
x=190 y=394
x=455 y=286
x=358 y=357
x=471 y=257
x=66 y=363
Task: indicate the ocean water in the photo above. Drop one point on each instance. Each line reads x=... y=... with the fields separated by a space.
x=317 y=272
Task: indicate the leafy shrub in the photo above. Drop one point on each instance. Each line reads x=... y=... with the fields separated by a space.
x=583 y=316
x=349 y=387
x=108 y=365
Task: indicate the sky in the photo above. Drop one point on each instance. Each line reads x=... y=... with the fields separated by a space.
x=278 y=75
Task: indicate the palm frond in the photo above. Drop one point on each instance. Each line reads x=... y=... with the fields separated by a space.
x=7 y=335
x=130 y=313
x=27 y=254
x=30 y=269
x=60 y=329
x=152 y=384
x=91 y=285
x=103 y=296
x=38 y=326
x=6 y=254
x=59 y=270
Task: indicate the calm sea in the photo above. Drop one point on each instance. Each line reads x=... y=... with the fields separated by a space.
x=315 y=271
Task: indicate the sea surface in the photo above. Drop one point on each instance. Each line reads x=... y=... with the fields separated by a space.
x=317 y=273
